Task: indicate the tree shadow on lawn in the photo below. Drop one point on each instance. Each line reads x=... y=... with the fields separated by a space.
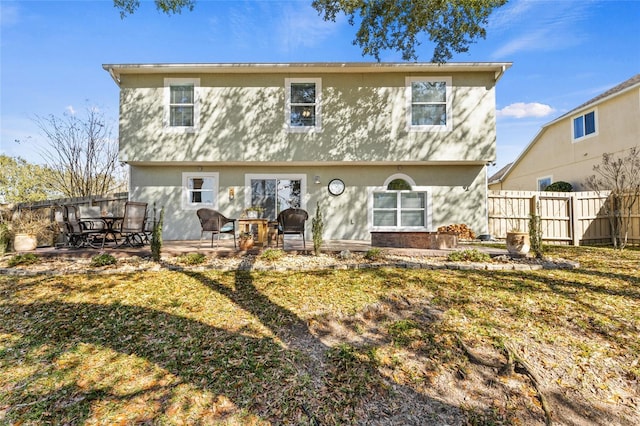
x=259 y=375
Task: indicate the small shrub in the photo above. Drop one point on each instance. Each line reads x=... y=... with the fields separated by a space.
x=271 y=255
x=191 y=258
x=374 y=254
x=156 y=235
x=103 y=259
x=559 y=186
x=317 y=228
x=473 y=255
x=23 y=259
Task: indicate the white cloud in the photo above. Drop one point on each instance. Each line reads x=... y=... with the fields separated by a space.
x=70 y=110
x=524 y=110
x=301 y=26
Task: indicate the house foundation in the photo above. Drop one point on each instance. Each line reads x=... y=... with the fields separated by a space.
x=423 y=240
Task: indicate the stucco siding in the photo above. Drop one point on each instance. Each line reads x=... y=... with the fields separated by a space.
x=457 y=194
x=242 y=119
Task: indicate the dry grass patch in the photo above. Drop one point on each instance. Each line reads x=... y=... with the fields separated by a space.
x=384 y=346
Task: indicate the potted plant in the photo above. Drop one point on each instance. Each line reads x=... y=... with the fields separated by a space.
x=254 y=212
x=245 y=241
x=518 y=242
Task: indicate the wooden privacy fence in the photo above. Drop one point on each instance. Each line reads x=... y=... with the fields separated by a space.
x=575 y=218
x=113 y=203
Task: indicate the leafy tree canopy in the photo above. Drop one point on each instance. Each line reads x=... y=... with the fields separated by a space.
x=451 y=25
x=21 y=181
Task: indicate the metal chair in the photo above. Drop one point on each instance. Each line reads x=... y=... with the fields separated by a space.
x=292 y=221
x=132 y=225
x=75 y=232
x=215 y=222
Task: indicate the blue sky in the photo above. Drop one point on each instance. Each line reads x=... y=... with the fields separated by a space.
x=564 y=52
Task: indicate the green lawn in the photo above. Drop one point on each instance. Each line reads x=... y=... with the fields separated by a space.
x=325 y=347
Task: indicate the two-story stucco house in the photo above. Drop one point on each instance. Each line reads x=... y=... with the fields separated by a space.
x=567 y=148
x=410 y=142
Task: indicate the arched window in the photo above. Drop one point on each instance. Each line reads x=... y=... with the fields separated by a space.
x=399 y=185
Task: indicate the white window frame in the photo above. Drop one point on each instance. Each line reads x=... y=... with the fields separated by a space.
x=168 y=82
x=448 y=107
x=582 y=115
x=290 y=176
x=186 y=203
x=318 y=106
x=550 y=178
x=427 y=190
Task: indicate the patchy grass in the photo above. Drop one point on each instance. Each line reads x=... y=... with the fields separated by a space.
x=23 y=259
x=323 y=347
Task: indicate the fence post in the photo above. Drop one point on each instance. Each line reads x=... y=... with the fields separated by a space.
x=573 y=221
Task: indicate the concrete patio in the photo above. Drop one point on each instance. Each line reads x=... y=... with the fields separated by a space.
x=225 y=248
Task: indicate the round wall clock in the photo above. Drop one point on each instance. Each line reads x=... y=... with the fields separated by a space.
x=336 y=187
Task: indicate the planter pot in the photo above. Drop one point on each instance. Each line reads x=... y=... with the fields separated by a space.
x=245 y=244
x=518 y=243
x=252 y=214
x=25 y=242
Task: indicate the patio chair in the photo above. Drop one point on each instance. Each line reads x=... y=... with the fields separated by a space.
x=215 y=222
x=75 y=233
x=291 y=221
x=132 y=225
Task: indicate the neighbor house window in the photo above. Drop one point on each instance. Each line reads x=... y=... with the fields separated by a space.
x=181 y=104
x=302 y=112
x=543 y=183
x=199 y=190
x=584 y=125
x=399 y=205
x=275 y=193
x=429 y=103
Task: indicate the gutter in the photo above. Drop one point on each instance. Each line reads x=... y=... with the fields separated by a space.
x=112 y=74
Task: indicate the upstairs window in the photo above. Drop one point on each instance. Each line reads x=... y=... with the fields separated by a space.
x=584 y=125
x=429 y=103
x=181 y=104
x=303 y=104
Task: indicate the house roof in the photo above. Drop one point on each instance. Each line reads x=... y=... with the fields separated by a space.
x=117 y=70
x=498 y=175
x=625 y=86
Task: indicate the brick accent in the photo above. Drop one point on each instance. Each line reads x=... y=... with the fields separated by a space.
x=423 y=240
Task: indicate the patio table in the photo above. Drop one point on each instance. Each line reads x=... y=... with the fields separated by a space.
x=109 y=222
x=262 y=225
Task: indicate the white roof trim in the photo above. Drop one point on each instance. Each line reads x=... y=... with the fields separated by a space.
x=116 y=70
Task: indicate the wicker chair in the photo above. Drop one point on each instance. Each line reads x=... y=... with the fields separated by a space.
x=215 y=222
x=291 y=221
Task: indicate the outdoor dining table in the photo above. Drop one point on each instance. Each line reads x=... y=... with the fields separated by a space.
x=109 y=222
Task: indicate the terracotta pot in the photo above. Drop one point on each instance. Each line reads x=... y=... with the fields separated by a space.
x=25 y=242
x=518 y=243
x=245 y=244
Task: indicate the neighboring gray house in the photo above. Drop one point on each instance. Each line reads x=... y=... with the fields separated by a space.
x=409 y=141
x=567 y=148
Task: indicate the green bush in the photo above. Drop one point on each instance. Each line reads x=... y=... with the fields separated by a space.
x=559 y=186
x=103 y=259
x=5 y=237
x=191 y=258
x=374 y=254
x=271 y=254
x=23 y=259
x=469 y=255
